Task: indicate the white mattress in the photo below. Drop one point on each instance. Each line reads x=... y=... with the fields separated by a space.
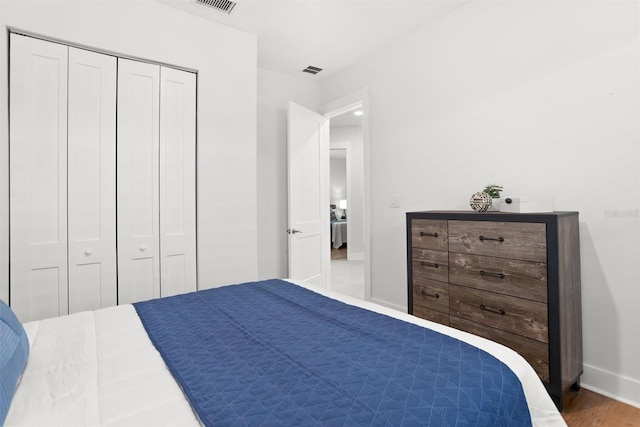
x=100 y=368
x=96 y=368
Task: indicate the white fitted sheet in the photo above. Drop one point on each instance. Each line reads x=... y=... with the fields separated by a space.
x=100 y=368
x=96 y=368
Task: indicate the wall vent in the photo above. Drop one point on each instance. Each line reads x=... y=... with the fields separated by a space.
x=312 y=70
x=225 y=6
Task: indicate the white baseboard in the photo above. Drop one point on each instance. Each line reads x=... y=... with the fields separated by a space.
x=387 y=304
x=617 y=387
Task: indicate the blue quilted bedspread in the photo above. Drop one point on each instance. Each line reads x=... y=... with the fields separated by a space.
x=273 y=353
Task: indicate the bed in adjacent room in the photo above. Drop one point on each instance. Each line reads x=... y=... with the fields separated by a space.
x=338 y=233
x=270 y=352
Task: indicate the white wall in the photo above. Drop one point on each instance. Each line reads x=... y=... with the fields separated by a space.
x=540 y=97
x=226 y=61
x=350 y=137
x=275 y=90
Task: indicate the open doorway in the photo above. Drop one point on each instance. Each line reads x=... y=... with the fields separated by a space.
x=308 y=195
x=338 y=202
x=346 y=196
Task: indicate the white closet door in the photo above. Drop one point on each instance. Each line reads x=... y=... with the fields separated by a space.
x=38 y=178
x=92 y=180
x=137 y=181
x=177 y=181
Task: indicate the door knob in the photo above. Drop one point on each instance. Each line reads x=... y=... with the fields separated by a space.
x=293 y=231
x=88 y=252
x=143 y=248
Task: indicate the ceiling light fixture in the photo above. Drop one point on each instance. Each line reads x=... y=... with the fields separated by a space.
x=358 y=113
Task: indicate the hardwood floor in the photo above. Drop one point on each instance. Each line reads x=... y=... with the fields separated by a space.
x=586 y=408
x=339 y=253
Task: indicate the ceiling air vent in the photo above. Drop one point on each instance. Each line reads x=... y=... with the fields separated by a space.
x=225 y=6
x=312 y=70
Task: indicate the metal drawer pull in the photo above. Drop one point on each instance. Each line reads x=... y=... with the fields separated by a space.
x=499 y=239
x=492 y=310
x=486 y=273
x=422 y=234
x=427 y=294
x=429 y=264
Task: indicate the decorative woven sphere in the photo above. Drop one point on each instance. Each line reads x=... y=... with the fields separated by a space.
x=480 y=201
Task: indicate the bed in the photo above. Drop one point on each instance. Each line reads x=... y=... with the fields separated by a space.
x=251 y=367
x=338 y=233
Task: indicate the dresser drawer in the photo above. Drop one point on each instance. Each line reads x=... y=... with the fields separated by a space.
x=429 y=234
x=511 y=314
x=523 y=279
x=516 y=240
x=534 y=352
x=432 y=315
x=431 y=294
x=428 y=264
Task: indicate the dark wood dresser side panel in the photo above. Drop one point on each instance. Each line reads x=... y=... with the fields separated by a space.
x=570 y=299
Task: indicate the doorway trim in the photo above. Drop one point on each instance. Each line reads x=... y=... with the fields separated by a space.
x=359 y=99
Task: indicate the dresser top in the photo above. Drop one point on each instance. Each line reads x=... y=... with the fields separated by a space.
x=491 y=215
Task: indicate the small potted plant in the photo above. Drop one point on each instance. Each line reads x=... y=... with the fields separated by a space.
x=494 y=190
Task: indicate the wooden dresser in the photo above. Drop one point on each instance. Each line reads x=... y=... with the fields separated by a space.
x=511 y=278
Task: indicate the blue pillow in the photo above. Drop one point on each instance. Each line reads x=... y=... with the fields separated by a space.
x=14 y=349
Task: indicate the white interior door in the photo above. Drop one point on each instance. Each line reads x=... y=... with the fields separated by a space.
x=92 y=180
x=38 y=178
x=138 y=181
x=177 y=182
x=308 y=165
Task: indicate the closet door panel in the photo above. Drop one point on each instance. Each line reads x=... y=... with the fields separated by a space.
x=177 y=181
x=138 y=181
x=92 y=180
x=38 y=178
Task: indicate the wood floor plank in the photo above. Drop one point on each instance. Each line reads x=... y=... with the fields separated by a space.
x=339 y=253
x=586 y=408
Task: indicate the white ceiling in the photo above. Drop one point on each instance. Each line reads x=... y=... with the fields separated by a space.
x=329 y=34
